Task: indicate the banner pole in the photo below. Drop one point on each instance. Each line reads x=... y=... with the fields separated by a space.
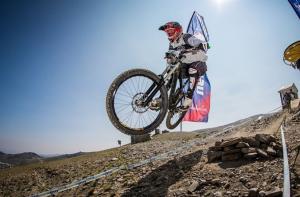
x=181 y=127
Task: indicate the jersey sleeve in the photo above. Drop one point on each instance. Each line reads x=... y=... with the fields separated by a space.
x=192 y=40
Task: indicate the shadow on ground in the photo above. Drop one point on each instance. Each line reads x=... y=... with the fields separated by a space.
x=243 y=162
x=239 y=163
x=158 y=181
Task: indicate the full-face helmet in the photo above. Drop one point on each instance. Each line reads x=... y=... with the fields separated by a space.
x=173 y=30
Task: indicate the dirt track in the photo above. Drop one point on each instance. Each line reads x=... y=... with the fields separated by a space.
x=187 y=174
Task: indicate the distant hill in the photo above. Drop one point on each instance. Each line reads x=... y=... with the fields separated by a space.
x=64 y=156
x=18 y=159
x=9 y=160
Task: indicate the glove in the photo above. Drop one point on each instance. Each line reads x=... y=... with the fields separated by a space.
x=173 y=53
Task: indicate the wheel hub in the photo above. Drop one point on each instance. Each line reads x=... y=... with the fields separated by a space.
x=137 y=103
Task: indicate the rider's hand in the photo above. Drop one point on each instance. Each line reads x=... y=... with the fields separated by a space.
x=173 y=56
x=173 y=53
x=171 y=59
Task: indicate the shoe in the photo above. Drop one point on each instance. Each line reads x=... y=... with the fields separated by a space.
x=187 y=103
x=155 y=104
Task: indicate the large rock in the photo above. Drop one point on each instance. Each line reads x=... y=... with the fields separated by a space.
x=218 y=143
x=263 y=138
x=262 y=153
x=213 y=155
x=233 y=151
x=260 y=145
x=248 y=150
x=271 y=151
x=140 y=138
x=250 y=155
x=276 y=146
x=230 y=142
x=231 y=157
x=263 y=146
x=251 y=141
x=228 y=148
x=242 y=145
x=272 y=138
x=215 y=148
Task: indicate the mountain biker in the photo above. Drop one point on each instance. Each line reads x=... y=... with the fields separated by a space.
x=193 y=52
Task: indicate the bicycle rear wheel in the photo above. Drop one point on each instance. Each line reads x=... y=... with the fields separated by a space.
x=176 y=115
x=124 y=102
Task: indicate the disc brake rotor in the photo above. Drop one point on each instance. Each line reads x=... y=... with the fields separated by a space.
x=137 y=103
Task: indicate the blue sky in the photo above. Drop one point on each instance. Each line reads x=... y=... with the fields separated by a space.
x=58 y=59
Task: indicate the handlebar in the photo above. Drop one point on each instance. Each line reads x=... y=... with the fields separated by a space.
x=174 y=56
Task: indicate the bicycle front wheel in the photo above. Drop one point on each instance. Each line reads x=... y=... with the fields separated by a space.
x=125 y=102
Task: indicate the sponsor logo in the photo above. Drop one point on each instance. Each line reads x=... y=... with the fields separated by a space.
x=200 y=86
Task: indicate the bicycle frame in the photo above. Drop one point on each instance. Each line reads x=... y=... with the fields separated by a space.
x=165 y=77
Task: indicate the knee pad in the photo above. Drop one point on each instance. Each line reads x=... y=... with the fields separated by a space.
x=193 y=72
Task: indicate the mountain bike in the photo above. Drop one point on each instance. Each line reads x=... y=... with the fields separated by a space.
x=138 y=100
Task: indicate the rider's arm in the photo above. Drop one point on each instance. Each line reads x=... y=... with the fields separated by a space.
x=198 y=51
x=192 y=40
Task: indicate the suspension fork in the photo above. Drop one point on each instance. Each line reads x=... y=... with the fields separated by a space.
x=173 y=83
x=173 y=87
x=152 y=92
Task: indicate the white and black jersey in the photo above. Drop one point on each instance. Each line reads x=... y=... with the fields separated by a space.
x=193 y=48
x=188 y=41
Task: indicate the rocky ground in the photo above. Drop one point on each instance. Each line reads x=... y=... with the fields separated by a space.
x=186 y=174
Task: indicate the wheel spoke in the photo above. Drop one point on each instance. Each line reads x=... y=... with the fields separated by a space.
x=122 y=109
x=120 y=94
x=124 y=101
x=128 y=106
x=128 y=93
